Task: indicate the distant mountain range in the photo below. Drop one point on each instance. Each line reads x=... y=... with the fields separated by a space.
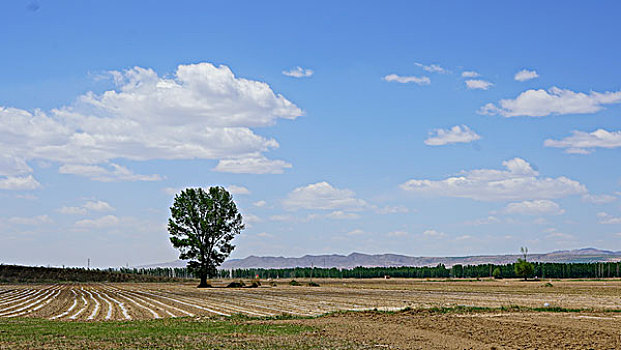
x=352 y=260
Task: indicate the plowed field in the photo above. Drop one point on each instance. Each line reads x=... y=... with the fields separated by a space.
x=125 y=301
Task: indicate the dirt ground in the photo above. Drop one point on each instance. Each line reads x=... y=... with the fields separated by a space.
x=443 y=314
x=483 y=330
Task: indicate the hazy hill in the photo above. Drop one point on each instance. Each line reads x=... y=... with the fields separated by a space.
x=358 y=259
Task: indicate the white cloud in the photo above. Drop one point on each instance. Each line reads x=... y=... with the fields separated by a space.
x=282 y=217
x=397 y=234
x=518 y=182
x=265 y=235
x=456 y=134
x=259 y=204
x=397 y=209
x=298 y=72
x=478 y=84
x=342 y=215
x=407 y=79
x=536 y=207
x=463 y=237
x=13 y=166
x=201 y=112
x=356 y=232
x=238 y=189
x=540 y=103
x=552 y=233
x=434 y=233
x=525 y=74
x=99 y=173
x=599 y=198
x=252 y=165
x=323 y=196
x=19 y=183
x=171 y=191
x=102 y=222
x=469 y=74
x=483 y=221
x=583 y=143
x=73 y=210
x=31 y=221
x=251 y=218
x=605 y=218
x=97 y=206
x=432 y=68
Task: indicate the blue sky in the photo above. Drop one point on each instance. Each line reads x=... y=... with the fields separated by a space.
x=419 y=128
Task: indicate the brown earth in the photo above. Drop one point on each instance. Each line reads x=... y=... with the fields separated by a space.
x=482 y=330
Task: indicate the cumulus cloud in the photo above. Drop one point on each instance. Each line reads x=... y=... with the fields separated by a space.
x=265 y=235
x=342 y=215
x=19 y=183
x=541 y=103
x=396 y=209
x=607 y=219
x=478 y=84
x=456 y=134
x=483 y=221
x=298 y=72
x=252 y=165
x=433 y=233
x=518 y=182
x=397 y=234
x=30 y=220
x=323 y=196
x=356 y=232
x=599 y=198
x=525 y=74
x=469 y=74
x=102 y=222
x=407 y=79
x=259 y=204
x=93 y=205
x=100 y=173
x=238 y=189
x=581 y=142
x=431 y=68
x=536 y=207
x=553 y=233
x=201 y=112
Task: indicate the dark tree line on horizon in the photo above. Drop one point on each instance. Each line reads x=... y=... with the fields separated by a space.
x=541 y=270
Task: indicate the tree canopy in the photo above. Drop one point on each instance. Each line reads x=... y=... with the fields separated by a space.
x=202 y=226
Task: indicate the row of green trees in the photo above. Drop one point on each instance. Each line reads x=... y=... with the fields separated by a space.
x=541 y=270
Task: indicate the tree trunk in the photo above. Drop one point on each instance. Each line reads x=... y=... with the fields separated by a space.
x=203 y=283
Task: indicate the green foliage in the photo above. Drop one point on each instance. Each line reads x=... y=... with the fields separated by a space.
x=182 y=333
x=202 y=226
x=295 y=283
x=552 y=270
x=236 y=284
x=497 y=273
x=524 y=269
x=34 y=274
x=313 y=284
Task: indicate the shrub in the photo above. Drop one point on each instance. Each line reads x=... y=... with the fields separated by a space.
x=294 y=283
x=236 y=284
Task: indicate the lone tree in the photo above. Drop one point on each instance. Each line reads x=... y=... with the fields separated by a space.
x=522 y=267
x=201 y=226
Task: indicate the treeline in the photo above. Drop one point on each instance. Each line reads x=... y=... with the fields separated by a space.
x=33 y=274
x=541 y=270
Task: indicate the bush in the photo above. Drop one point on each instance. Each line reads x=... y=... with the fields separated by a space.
x=294 y=283
x=497 y=273
x=313 y=284
x=236 y=284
